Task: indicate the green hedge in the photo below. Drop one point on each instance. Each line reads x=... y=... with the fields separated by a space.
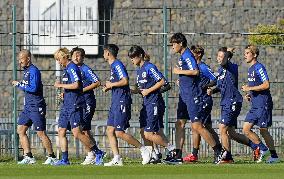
x=267 y=34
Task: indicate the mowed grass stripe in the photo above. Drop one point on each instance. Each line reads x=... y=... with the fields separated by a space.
x=137 y=171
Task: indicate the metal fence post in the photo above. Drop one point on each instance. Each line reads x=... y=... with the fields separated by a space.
x=58 y=73
x=16 y=140
x=166 y=117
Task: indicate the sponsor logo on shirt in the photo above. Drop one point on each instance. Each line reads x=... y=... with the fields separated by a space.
x=143 y=81
x=65 y=79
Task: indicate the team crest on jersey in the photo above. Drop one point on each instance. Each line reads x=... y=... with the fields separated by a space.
x=180 y=62
x=144 y=75
x=26 y=74
x=111 y=75
x=252 y=74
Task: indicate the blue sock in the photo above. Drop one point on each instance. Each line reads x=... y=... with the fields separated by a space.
x=252 y=145
x=229 y=156
x=195 y=151
x=262 y=146
x=65 y=156
x=273 y=154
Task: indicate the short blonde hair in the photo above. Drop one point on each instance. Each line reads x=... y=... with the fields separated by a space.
x=62 y=53
x=253 y=49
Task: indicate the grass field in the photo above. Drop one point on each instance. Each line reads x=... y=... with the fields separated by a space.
x=135 y=170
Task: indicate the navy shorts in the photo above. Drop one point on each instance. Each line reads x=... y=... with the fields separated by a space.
x=261 y=117
x=182 y=112
x=150 y=111
x=190 y=109
x=119 y=115
x=88 y=114
x=206 y=111
x=35 y=116
x=70 y=118
x=230 y=113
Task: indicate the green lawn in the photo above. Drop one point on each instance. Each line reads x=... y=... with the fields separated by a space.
x=136 y=171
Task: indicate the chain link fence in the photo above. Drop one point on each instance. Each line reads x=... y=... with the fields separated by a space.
x=147 y=27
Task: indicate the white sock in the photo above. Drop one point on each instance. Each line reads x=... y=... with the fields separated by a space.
x=154 y=155
x=142 y=148
x=116 y=157
x=150 y=148
x=170 y=147
x=91 y=155
x=156 y=149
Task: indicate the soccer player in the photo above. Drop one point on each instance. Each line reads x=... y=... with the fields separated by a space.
x=34 y=109
x=207 y=79
x=71 y=112
x=150 y=81
x=260 y=98
x=120 y=109
x=231 y=102
x=90 y=82
x=190 y=98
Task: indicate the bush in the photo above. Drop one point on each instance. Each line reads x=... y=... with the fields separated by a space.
x=267 y=34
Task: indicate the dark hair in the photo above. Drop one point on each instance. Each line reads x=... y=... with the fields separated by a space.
x=228 y=54
x=81 y=50
x=136 y=51
x=112 y=48
x=197 y=49
x=179 y=38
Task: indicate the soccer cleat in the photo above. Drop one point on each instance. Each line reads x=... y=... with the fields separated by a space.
x=172 y=159
x=263 y=155
x=256 y=154
x=272 y=160
x=222 y=155
x=61 y=163
x=114 y=162
x=27 y=160
x=89 y=161
x=190 y=158
x=155 y=159
x=160 y=156
x=99 y=157
x=50 y=161
x=146 y=155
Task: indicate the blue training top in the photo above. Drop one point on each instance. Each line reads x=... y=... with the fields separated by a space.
x=118 y=71
x=73 y=97
x=188 y=85
x=257 y=74
x=147 y=76
x=88 y=78
x=32 y=86
x=227 y=83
